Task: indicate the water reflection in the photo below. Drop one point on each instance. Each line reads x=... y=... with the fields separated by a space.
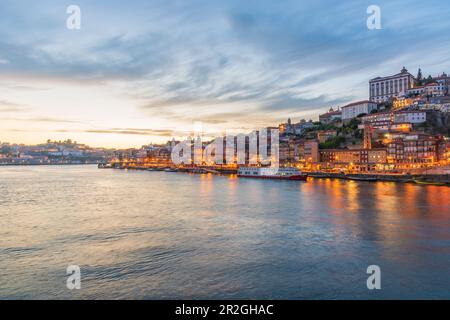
x=173 y=235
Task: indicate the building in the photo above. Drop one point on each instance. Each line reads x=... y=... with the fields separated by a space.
x=286 y=128
x=290 y=128
x=303 y=125
x=354 y=159
x=324 y=135
x=435 y=89
x=292 y=150
x=398 y=120
x=388 y=126
x=444 y=80
x=284 y=151
x=382 y=89
x=331 y=116
x=354 y=109
x=309 y=152
x=410 y=116
x=378 y=117
x=415 y=91
x=402 y=103
x=414 y=148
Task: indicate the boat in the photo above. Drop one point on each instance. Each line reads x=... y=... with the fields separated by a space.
x=104 y=165
x=430 y=183
x=319 y=175
x=287 y=173
x=170 y=170
x=361 y=178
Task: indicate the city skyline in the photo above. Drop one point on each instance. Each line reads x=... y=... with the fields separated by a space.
x=146 y=71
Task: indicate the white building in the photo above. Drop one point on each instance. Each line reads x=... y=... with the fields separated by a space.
x=433 y=89
x=444 y=107
x=354 y=109
x=418 y=90
x=436 y=89
x=381 y=89
x=413 y=116
x=378 y=117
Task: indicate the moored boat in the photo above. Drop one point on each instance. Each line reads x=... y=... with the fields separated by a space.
x=287 y=173
x=361 y=178
x=430 y=183
x=104 y=165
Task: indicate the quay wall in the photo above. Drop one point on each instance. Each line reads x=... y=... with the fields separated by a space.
x=436 y=178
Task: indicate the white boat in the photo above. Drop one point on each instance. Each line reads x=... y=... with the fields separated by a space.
x=287 y=173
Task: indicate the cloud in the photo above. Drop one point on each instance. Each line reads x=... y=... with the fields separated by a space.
x=132 y=131
x=291 y=103
x=41 y=120
x=225 y=63
x=51 y=119
x=11 y=107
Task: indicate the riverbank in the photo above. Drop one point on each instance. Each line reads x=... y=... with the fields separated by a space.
x=404 y=178
x=213 y=170
x=432 y=179
x=46 y=164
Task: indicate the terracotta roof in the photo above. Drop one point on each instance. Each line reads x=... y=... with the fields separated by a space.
x=393 y=76
x=358 y=102
x=411 y=111
x=330 y=113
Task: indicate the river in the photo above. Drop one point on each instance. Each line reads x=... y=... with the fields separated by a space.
x=160 y=235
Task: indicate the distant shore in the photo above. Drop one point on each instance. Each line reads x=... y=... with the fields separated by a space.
x=45 y=164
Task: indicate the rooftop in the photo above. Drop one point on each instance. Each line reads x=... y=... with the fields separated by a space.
x=357 y=103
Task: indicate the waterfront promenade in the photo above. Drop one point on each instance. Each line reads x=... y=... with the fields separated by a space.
x=432 y=176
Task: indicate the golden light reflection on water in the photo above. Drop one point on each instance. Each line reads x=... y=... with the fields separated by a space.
x=171 y=228
x=381 y=205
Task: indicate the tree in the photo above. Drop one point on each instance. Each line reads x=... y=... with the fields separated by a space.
x=332 y=143
x=419 y=77
x=429 y=79
x=353 y=124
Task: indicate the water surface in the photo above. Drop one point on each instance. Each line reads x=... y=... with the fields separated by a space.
x=157 y=235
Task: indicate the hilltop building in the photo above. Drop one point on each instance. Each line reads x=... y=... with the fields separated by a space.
x=382 y=89
x=354 y=109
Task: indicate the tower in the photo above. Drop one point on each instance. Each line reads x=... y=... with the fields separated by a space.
x=368 y=132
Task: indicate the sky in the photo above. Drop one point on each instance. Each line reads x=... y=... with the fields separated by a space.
x=146 y=71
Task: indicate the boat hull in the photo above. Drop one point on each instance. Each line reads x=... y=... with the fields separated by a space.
x=430 y=183
x=370 y=179
x=299 y=177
